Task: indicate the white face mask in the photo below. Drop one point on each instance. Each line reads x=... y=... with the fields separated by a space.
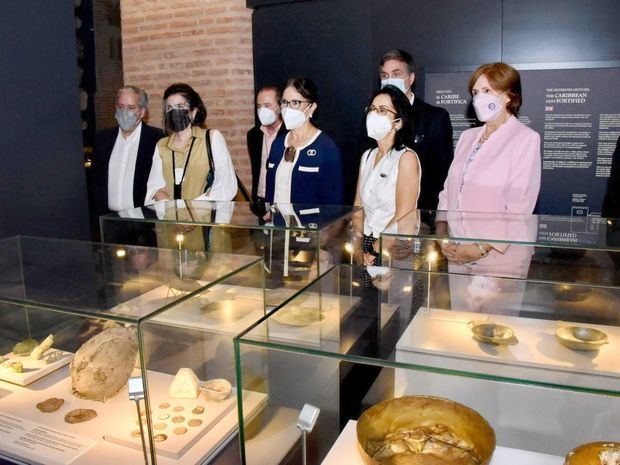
x=378 y=126
x=267 y=116
x=488 y=107
x=396 y=82
x=294 y=119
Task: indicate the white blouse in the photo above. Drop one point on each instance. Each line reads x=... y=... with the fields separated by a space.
x=378 y=189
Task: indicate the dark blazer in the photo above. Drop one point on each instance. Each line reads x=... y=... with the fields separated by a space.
x=317 y=178
x=104 y=143
x=255 y=149
x=432 y=141
x=611 y=203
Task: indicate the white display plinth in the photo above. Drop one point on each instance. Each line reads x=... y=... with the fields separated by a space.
x=524 y=416
x=345 y=451
x=538 y=355
x=114 y=415
x=33 y=370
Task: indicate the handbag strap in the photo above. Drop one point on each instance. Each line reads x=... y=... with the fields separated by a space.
x=209 y=152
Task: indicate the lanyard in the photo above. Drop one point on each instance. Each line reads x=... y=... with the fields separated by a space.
x=177 y=187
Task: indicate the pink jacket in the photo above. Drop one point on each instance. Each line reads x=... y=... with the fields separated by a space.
x=504 y=177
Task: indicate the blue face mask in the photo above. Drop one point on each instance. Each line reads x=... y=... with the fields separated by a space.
x=396 y=82
x=126 y=119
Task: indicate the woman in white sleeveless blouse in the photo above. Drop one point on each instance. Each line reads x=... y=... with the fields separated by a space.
x=389 y=178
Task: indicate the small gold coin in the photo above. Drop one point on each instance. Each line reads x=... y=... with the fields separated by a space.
x=160 y=437
x=195 y=422
x=180 y=430
x=178 y=408
x=198 y=410
x=135 y=433
x=159 y=426
x=164 y=406
x=178 y=419
x=163 y=416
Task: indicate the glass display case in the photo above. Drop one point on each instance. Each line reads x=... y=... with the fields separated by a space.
x=568 y=249
x=120 y=354
x=298 y=242
x=386 y=366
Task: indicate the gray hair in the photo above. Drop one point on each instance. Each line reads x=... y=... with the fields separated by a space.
x=143 y=98
x=399 y=55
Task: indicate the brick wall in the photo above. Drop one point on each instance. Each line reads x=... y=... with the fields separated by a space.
x=205 y=43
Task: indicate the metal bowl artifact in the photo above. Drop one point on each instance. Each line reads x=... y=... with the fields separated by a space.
x=424 y=430
x=492 y=333
x=595 y=453
x=580 y=337
x=298 y=316
x=571 y=293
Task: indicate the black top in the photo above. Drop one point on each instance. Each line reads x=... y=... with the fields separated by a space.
x=104 y=144
x=255 y=148
x=432 y=141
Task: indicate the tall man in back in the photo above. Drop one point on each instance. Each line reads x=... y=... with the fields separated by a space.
x=432 y=129
x=123 y=155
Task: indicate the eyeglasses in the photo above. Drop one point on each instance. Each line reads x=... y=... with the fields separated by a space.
x=294 y=104
x=381 y=111
x=289 y=153
x=178 y=106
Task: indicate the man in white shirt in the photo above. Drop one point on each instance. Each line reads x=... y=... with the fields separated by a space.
x=123 y=155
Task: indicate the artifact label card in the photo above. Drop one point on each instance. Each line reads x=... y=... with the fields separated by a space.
x=49 y=446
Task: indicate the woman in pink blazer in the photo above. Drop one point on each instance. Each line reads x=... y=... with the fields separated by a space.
x=496 y=169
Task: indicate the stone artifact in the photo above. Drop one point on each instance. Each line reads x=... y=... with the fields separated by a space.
x=102 y=366
x=217 y=389
x=80 y=415
x=50 y=405
x=185 y=385
x=25 y=347
x=424 y=430
x=17 y=367
x=39 y=350
x=53 y=357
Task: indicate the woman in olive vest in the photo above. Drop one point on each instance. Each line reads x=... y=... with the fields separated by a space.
x=181 y=165
x=191 y=163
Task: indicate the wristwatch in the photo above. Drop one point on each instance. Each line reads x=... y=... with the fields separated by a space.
x=483 y=251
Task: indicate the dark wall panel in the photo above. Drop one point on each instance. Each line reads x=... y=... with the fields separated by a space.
x=538 y=31
x=326 y=41
x=339 y=44
x=42 y=188
x=438 y=34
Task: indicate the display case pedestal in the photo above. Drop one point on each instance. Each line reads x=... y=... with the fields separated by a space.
x=524 y=416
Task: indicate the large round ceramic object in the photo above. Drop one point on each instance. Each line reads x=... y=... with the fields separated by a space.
x=595 y=453
x=424 y=430
x=102 y=366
